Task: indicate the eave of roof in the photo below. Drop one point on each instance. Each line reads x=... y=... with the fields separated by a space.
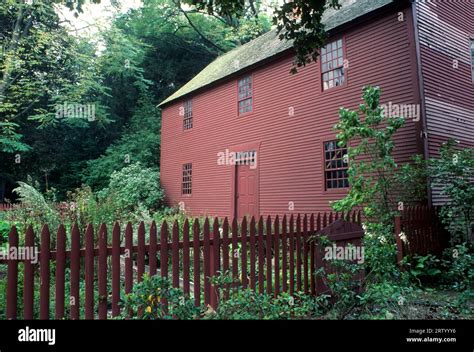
x=267 y=46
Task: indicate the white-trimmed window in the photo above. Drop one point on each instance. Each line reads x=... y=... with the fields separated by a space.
x=335 y=165
x=332 y=65
x=188 y=115
x=245 y=95
x=187 y=182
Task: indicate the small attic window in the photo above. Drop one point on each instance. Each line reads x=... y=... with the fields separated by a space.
x=245 y=95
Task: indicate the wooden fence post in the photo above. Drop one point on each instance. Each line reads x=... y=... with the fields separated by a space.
x=44 y=273
x=116 y=270
x=89 y=262
x=207 y=264
x=12 y=285
x=75 y=272
x=29 y=278
x=214 y=260
x=196 y=264
x=60 y=271
x=102 y=272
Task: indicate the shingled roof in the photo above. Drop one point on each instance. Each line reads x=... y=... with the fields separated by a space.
x=267 y=46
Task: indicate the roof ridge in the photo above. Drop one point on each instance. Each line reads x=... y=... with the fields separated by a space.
x=247 y=55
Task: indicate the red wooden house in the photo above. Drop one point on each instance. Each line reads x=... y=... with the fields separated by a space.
x=246 y=137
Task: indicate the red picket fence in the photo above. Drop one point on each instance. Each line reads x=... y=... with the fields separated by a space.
x=274 y=256
x=424 y=231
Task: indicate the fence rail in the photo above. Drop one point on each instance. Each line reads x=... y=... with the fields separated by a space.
x=267 y=255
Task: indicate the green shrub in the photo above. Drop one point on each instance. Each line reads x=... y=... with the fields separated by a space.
x=85 y=207
x=246 y=304
x=145 y=301
x=36 y=209
x=458 y=263
x=4 y=231
x=135 y=186
x=453 y=172
x=426 y=268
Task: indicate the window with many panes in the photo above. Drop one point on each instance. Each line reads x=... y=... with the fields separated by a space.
x=335 y=165
x=186 y=186
x=245 y=95
x=188 y=115
x=332 y=64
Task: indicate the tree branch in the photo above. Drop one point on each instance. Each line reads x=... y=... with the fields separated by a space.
x=197 y=30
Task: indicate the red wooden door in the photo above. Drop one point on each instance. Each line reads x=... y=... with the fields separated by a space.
x=246 y=191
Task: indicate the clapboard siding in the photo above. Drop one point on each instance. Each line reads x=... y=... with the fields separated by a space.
x=381 y=52
x=444 y=30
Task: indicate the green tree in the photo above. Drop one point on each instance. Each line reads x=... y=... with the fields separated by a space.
x=139 y=143
x=149 y=53
x=42 y=67
x=297 y=20
x=35 y=61
x=369 y=142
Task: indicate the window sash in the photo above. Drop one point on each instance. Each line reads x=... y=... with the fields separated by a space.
x=245 y=95
x=335 y=169
x=188 y=115
x=186 y=185
x=332 y=64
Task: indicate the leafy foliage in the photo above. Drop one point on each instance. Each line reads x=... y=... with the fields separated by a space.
x=4 y=231
x=146 y=301
x=371 y=165
x=247 y=304
x=425 y=266
x=140 y=143
x=135 y=185
x=453 y=172
x=458 y=267
x=35 y=209
x=42 y=66
x=411 y=181
x=298 y=20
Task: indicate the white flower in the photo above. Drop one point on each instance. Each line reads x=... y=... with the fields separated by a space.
x=403 y=237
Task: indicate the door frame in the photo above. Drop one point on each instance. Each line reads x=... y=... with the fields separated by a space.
x=242 y=148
